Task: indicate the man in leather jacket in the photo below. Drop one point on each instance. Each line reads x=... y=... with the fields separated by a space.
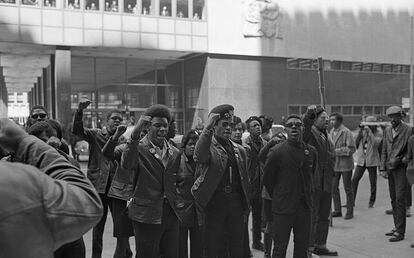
x=220 y=190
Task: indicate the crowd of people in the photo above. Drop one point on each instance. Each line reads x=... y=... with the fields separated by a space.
x=200 y=191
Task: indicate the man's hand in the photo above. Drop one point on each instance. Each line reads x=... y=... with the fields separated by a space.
x=54 y=142
x=83 y=104
x=213 y=118
x=120 y=130
x=10 y=134
x=143 y=122
x=384 y=174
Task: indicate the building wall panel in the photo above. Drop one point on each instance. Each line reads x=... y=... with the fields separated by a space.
x=73 y=19
x=112 y=22
x=52 y=18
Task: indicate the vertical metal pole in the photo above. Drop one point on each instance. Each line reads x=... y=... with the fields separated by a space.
x=411 y=71
x=321 y=82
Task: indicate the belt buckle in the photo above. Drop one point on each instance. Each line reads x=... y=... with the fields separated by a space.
x=227 y=189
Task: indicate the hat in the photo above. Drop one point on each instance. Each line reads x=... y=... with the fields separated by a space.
x=253 y=118
x=158 y=110
x=393 y=110
x=225 y=110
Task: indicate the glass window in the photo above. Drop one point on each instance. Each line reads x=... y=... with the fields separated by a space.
x=198 y=10
x=368 y=110
x=378 y=110
x=357 y=110
x=92 y=5
x=49 y=3
x=165 y=7
x=141 y=97
x=7 y=1
x=182 y=8
x=73 y=4
x=347 y=110
x=303 y=110
x=131 y=6
x=30 y=2
x=111 y=6
x=336 y=109
x=294 y=109
x=148 y=7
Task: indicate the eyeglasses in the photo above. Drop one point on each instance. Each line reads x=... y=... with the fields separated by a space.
x=291 y=125
x=227 y=124
x=36 y=116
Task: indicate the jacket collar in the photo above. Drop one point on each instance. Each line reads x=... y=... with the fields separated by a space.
x=341 y=129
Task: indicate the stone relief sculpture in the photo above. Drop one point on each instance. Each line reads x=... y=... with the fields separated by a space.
x=262 y=18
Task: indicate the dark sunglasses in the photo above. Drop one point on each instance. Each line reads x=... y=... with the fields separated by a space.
x=227 y=124
x=291 y=125
x=36 y=116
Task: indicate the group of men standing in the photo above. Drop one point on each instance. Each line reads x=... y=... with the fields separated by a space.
x=205 y=187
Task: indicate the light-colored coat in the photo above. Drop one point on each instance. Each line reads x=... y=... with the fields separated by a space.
x=371 y=156
x=344 y=147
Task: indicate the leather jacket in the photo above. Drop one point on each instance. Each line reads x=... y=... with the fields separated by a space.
x=98 y=166
x=211 y=159
x=45 y=203
x=151 y=181
x=255 y=168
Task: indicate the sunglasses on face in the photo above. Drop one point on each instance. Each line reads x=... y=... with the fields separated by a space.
x=227 y=124
x=36 y=116
x=291 y=125
x=159 y=125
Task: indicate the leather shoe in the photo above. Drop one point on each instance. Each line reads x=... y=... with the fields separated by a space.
x=324 y=251
x=391 y=233
x=397 y=237
x=412 y=245
x=371 y=205
x=389 y=212
x=336 y=214
x=348 y=216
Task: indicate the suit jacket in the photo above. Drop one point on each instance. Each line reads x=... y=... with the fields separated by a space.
x=325 y=171
x=344 y=146
x=211 y=159
x=287 y=167
x=371 y=156
x=151 y=180
x=98 y=166
x=395 y=148
x=255 y=167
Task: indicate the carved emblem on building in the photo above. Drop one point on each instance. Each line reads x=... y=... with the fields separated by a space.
x=262 y=18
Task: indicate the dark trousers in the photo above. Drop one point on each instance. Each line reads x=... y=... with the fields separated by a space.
x=196 y=242
x=359 y=172
x=75 y=249
x=300 y=223
x=256 y=205
x=225 y=218
x=408 y=196
x=122 y=228
x=320 y=218
x=158 y=240
x=346 y=178
x=397 y=183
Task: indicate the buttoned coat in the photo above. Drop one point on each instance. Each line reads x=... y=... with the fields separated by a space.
x=344 y=147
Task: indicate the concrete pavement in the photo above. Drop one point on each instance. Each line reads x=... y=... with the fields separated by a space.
x=361 y=237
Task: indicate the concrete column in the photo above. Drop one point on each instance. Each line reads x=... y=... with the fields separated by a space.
x=3 y=96
x=62 y=85
x=35 y=95
x=40 y=92
x=48 y=90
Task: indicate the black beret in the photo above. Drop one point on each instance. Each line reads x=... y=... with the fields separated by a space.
x=253 y=118
x=158 y=110
x=225 y=110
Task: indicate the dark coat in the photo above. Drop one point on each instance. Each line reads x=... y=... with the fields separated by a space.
x=151 y=180
x=394 y=149
x=98 y=166
x=326 y=158
x=186 y=178
x=284 y=168
x=211 y=159
x=255 y=168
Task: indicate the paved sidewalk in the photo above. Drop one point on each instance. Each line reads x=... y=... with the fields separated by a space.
x=361 y=237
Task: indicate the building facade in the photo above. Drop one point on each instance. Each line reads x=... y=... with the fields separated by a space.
x=194 y=54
